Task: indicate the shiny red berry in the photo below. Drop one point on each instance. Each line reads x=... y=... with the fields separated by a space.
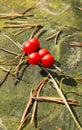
x=47 y=60
x=34 y=58
x=31 y=46
x=36 y=42
x=42 y=52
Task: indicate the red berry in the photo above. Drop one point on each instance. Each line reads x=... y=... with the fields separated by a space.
x=36 y=42
x=31 y=45
x=34 y=58
x=47 y=60
x=43 y=52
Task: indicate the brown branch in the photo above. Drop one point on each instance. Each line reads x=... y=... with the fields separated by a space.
x=40 y=87
x=55 y=35
x=75 y=44
x=14 y=15
x=23 y=30
x=42 y=31
x=9 y=51
x=33 y=32
x=11 y=60
x=32 y=94
x=21 y=124
x=21 y=61
x=80 y=8
x=29 y=103
x=20 y=47
x=25 y=11
x=60 y=70
x=78 y=78
x=57 y=100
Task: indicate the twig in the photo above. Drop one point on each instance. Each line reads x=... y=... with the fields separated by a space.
x=57 y=100
x=21 y=124
x=21 y=61
x=33 y=32
x=50 y=37
x=60 y=71
x=27 y=10
x=20 y=23
x=10 y=72
x=23 y=30
x=35 y=103
x=16 y=26
x=21 y=16
x=42 y=31
x=6 y=61
x=8 y=51
x=80 y=8
x=4 y=69
x=7 y=15
x=14 y=15
x=12 y=41
x=80 y=79
x=75 y=44
x=18 y=67
x=59 y=129
x=64 y=99
x=57 y=34
x=5 y=77
x=54 y=35
x=29 y=103
x=15 y=22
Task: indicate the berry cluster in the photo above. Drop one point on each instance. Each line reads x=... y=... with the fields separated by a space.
x=36 y=54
